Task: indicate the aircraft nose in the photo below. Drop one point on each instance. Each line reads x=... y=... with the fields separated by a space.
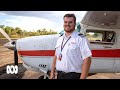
x=8 y=45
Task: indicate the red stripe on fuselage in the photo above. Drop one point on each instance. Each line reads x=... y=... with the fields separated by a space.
x=37 y=53
x=95 y=53
x=106 y=53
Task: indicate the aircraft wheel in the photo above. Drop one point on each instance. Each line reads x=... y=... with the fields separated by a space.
x=42 y=77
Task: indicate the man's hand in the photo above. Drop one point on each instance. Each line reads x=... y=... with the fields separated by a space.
x=52 y=76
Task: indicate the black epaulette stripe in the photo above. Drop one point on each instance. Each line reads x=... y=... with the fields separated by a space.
x=80 y=34
x=61 y=35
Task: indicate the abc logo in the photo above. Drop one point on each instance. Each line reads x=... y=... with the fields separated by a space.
x=11 y=69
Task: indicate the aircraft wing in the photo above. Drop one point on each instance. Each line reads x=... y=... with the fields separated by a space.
x=102 y=19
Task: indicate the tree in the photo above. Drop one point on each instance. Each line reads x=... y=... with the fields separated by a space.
x=19 y=33
x=96 y=34
x=8 y=30
x=2 y=26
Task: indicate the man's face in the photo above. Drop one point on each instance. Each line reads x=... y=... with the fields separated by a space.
x=69 y=24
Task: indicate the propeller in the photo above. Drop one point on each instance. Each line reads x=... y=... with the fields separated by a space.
x=13 y=43
x=15 y=54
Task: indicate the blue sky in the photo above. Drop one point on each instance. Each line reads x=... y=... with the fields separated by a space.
x=34 y=20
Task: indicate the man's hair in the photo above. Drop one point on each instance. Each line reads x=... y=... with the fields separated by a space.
x=70 y=15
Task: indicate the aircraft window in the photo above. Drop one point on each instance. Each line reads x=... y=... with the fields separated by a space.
x=100 y=37
x=94 y=36
x=110 y=37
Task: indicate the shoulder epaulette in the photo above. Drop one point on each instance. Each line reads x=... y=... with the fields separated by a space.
x=80 y=34
x=61 y=35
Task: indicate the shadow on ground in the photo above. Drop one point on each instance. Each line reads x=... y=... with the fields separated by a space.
x=4 y=75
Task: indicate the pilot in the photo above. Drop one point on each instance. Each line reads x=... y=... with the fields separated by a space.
x=72 y=57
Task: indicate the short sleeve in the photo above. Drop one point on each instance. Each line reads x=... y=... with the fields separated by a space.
x=55 y=53
x=57 y=47
x=85 y=48
x=57 y=43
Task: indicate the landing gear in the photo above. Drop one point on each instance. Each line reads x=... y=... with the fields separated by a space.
x=43 y=77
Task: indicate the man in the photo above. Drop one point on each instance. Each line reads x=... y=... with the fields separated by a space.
x=72 y=57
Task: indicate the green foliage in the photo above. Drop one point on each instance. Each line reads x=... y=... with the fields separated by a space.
x=96 y=34
x=19 y=33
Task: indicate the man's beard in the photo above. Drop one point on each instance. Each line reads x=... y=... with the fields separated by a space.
x=69 y=31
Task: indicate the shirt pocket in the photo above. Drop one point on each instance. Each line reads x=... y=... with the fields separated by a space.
x=73 y=49
x=72 y=46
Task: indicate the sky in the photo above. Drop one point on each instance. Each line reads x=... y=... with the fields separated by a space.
x=34 y=20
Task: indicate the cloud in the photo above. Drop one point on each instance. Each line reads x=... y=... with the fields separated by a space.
x=43 y=14
x=33 y=20
x=29 y=23
x=39 y=14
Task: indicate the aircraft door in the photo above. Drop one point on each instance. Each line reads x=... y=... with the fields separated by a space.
x=103 y=45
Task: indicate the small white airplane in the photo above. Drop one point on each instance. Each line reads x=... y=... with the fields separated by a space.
x=102 y=28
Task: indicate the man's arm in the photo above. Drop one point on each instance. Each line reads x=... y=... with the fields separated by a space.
x=52 y=74
x=85 y=67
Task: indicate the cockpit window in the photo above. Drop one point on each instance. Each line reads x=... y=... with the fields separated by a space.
x=100 y=37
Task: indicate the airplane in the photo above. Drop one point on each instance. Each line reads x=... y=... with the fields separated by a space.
x=102 y=28
x=9 y=45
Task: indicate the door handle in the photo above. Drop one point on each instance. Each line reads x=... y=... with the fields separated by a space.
x=107 y=47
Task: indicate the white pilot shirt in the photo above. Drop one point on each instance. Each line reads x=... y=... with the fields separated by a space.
x=74 y=52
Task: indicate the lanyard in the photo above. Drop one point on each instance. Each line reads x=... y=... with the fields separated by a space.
x=62 y=46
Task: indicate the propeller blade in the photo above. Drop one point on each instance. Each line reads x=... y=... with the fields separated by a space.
x=13 y=43
x=5 y=34
x=15 y=54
